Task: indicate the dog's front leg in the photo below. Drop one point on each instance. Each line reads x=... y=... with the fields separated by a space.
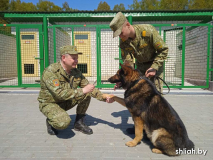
x=138 y=132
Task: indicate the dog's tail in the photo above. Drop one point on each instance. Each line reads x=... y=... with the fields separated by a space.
x=190 y=145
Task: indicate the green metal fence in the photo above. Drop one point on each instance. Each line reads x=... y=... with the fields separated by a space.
x=21 y=55
x=27 y=48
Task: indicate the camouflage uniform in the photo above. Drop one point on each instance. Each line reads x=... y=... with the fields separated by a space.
x=147 y=48
x=59 y=93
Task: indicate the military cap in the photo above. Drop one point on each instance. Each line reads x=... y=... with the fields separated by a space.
x=117 y=24
x=69 y=50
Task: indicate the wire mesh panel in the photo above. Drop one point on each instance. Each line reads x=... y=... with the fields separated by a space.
x=109 y=51
x=173 y=64
x=29 y=41
x=8 y=57
x=51 y=41
x=85 y=40
x=211 y=54
x=196 y=45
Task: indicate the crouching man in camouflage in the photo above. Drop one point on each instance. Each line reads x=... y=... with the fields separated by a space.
x=59 y=93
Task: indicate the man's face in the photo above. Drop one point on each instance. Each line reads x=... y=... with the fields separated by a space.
x=125 y=32
x=70 y=60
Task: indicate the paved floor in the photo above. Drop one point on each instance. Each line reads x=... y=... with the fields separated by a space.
x=23 y=130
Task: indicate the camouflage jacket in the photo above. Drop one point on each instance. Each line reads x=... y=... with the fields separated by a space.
x=57 y=86
x=148 y=46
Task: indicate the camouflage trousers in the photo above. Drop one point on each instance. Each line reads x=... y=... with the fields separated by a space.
x=56 y=112
x=142 y=67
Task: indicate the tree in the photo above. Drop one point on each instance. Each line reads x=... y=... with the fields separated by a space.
x=4 y=5
x=200 y=4
x=28 y=7
x=149 y=5
x=65 y=6
x=119 y=7
x=103 y=6
x=47 y=6
x=135 y=6
x=145 y=5
x=56 y=8
x=173 y=5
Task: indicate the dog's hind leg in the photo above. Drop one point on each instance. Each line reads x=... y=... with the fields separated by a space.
x=163 y=142
x=165 y=145
x=138 y=132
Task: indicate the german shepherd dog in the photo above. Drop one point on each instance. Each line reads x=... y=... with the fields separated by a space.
x=151 y=112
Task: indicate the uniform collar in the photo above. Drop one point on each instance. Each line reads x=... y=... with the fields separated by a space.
x=63 y=71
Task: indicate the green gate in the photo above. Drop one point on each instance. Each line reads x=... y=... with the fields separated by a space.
x=21 y=59
x=189 y=45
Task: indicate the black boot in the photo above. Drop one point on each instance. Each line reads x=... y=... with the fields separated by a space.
x=80 y=126
x=131 y=130
x=50 y=129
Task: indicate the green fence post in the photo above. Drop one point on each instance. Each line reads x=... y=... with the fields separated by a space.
x=73 y=36
x=183 y=55
x=45 y=25
x=41 y=51
x=18 y=47
x=98 y=41
x=208 y=55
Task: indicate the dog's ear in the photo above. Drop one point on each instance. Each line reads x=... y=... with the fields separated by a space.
x=127 y=69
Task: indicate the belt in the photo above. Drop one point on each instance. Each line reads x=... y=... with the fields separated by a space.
x=145 y=62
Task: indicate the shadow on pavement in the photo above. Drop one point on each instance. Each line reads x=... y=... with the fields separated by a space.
x=124 y=114
x=93 y=121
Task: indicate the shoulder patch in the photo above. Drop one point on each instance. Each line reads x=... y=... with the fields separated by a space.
x=144 y=33
x=56 y=82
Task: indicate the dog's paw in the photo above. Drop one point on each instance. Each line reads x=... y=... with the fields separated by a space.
x=107 y=95
x=155 y=150
x=131 y=144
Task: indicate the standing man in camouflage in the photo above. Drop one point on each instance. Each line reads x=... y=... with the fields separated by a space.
x=142 y=42
x=59 y=93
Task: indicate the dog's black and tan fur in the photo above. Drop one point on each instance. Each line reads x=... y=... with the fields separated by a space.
x=151 y=112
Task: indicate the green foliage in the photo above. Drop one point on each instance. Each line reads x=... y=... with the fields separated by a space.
x=142 y=5
x=28 y=7
x=103 y=6
x=135 y=6
x=4 y=5
x=200 y=4
x=145 y=5
x=65 y=7
x=173 y=5
x=47 y=6
x=119 y=7
x=150 y=5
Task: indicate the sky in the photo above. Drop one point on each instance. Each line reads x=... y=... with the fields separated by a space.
x=85 y=4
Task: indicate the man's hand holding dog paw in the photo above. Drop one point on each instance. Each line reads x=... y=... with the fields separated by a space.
x=108 y=98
